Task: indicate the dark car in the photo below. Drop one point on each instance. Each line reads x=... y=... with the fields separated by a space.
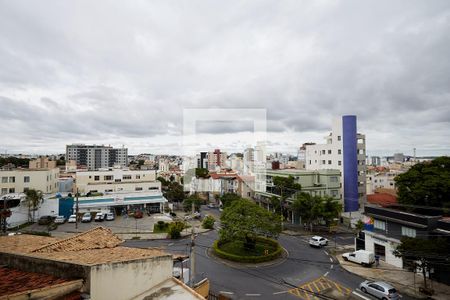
x=138 y=214
x=46 y=220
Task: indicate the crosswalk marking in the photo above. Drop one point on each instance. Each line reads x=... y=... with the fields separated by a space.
x=307 y=290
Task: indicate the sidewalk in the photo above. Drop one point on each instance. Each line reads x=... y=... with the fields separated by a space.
x=404 y=281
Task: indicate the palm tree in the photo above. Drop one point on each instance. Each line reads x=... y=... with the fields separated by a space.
x=33 y=199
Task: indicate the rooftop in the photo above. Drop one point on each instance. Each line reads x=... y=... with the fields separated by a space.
x=24 y=243
x=13 y=281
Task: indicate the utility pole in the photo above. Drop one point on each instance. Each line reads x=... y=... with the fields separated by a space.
x=192 y=252
x=76 y=211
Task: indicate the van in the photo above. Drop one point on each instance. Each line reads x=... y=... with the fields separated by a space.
x=362 y=257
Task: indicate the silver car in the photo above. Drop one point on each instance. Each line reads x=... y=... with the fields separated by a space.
x=379 y=289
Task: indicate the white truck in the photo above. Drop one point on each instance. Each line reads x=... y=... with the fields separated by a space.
x=362 y=257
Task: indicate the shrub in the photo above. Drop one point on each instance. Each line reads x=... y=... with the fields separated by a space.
x=160 y=226
x=175 y=229
x=208 y=222
x=249 y=259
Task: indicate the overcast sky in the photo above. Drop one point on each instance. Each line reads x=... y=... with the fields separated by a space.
x=122 y=72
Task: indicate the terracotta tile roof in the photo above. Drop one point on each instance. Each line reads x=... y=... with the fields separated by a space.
x=14 y=281
x=383 y=199
x=101 y=256
x=24 y=243
x=96 y=238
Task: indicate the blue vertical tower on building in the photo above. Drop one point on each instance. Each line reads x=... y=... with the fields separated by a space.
x=350 y=163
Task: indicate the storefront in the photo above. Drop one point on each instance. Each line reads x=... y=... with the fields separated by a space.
x=383 y=247
x=123 y=202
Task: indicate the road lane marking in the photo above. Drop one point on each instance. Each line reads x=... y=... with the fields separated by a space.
x=326 y=274
x=279 y=293
x=224 y=292
x=170 y=244
x=331 y=259
x=252 y=295
x=331 y=267
x=326 y=252
x=315 y=285
x=359 y=295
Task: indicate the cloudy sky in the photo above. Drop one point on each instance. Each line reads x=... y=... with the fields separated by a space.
x=122 y=72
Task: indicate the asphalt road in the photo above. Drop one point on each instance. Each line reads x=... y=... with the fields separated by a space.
x=305 y=268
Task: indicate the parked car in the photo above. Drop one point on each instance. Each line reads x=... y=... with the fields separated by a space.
x=60 y=220
x=72 y=219
x=110 y=216
x=362 y=257
x=138 y=214
x=318 y=241
x=86 y=218
x=99 y=217
x=379 y=289
x=46 y=220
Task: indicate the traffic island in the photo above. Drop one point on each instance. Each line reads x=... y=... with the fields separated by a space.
x=263 y=250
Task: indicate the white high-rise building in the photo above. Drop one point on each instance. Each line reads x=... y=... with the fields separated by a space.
x=96 y=157
x=345 y=150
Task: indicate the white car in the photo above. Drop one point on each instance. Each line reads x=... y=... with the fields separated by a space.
x=318 y=241
x=72 y=219
x=99 y=217
x=60 y=220
x=110 y=216
x=86 y=218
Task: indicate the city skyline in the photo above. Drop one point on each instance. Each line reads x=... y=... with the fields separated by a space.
x=73 y=73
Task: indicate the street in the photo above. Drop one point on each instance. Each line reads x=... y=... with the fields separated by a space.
x=305 y=272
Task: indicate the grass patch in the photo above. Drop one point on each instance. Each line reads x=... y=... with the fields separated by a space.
x=160 y=230
x=237 y=248
x=265 y=250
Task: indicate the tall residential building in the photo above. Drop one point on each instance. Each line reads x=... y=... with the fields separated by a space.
x=202 y=161
x=96 y=157
x=345 y=150
x=216 y=160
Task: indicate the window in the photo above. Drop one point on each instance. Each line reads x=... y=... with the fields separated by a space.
x=118 y=180
x=329 y=162
x=334 y=193
x=12 y=179
x=108 y=177
x=406 y=231
x=5 y=179
x=108 y=191
x=138 y=189
x=25 y=189
x=329 y=151
x=12 y=190
x=124 y=177
x=323 y=162
x=339 y=137
x=379 y=224
x=96 y=178
x=310 y=162
x=26 y=179
x=90 y=177
x=323 y=151
x=339 y=151
x=339 y=163
x=138 y=176
x=333 y=179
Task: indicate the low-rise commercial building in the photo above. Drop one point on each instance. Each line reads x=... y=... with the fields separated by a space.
x=117 y=180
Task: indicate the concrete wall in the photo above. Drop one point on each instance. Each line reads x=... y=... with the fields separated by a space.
x=129 y=279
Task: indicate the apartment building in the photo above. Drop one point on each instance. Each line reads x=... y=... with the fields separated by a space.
x=42 y=163
x=216 y=160
x=94 y=157
x=344 y=150
x=116 y=180
x=314 y=182
x=21 y=180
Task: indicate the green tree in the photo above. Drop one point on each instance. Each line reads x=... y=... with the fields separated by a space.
x=174 y=192
x=244 y=220
x=33 y=199
x=175 y=229
x=228 y=198
x=423 y=254
x=426 y=184
x=208 y=222
x=201 y=172
x=285 y=187
x=312 y=209
x=194 y=198
x=164 y=182
x=331 y=210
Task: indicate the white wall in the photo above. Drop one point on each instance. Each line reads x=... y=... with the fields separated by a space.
x=389 y=246
x=128 y=279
